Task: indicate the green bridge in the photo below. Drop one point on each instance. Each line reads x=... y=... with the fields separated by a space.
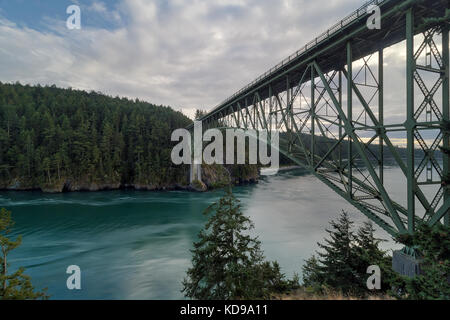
x=327 y=101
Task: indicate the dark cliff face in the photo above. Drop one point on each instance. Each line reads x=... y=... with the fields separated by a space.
x=213 y=177
x=218 y=176
x=73 y=185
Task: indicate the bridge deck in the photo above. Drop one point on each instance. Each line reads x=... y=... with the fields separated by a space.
x=329 y=49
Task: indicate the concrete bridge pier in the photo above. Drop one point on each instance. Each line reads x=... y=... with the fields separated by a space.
x=195 y=173
x=406 y=263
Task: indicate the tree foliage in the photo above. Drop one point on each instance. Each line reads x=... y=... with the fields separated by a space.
x=48 y=135
x=15 y=286
x=342 y=262
x=200 y=114
x=228 y=262
x=432 y=246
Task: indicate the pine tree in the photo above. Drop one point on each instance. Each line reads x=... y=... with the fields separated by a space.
x=199 y=114
x=344 y=258
x=338 y=256
x=16 y=286
x=369 y=254
x=227 y=262
x=312 y=277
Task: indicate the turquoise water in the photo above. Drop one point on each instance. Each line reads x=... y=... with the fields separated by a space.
x=136 y=245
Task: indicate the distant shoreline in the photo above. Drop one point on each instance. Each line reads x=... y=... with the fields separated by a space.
x=282 y=169
x=288 y=168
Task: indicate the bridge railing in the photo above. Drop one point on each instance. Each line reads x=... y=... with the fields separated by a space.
x=317 y=41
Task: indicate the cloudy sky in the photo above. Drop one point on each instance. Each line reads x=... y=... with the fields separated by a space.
x=184 y=53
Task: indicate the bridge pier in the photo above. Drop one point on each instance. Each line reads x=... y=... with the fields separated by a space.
x=195 y=173
x=446 y=116
x=406 y=263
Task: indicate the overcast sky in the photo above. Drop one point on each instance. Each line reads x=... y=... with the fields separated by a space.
x=187 y=54
x=184 y=53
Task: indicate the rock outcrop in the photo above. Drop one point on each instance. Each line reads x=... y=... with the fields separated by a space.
x=213 y=177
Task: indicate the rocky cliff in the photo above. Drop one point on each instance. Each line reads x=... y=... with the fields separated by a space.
x=213 y=177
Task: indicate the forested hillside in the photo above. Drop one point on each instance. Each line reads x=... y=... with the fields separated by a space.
x=55 y=139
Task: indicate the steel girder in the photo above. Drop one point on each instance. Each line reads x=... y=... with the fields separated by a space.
x=332 y=124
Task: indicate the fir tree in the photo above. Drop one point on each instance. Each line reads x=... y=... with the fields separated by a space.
x=338 y=256
x=344 y=258
x=16 y=286
x=227 y=262
x=312 y=277
x=200 y=114
x=368 y=254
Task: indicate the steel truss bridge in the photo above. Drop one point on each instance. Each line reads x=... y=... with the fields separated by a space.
x=327 y=100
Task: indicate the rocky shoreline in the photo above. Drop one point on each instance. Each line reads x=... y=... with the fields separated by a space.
x=214 y=177
x=69 y=186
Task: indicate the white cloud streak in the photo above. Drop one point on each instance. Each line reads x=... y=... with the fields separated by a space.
x=184 y=53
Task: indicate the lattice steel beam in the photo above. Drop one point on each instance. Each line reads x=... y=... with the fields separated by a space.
x=332 y=131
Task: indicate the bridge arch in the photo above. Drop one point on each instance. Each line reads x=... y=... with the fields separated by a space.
x=327 y=101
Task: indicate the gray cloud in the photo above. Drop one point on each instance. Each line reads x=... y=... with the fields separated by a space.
x=184 y=53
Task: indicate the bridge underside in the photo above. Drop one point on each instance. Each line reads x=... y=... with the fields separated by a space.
x=328 y=104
